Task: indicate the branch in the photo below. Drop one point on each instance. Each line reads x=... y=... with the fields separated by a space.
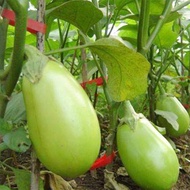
x=143 y=26
x=160 y=23
x=35 y=170
x=11 y=76
x=20 y=8
x=3 y=38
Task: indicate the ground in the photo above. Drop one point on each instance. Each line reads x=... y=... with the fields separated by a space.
x=95 y=180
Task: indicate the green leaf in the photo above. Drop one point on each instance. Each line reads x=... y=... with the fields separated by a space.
x=17 y=140
x=3 y=187
x=5 y=127
x=55 y=3
x=129 y=33
x=3 y=147
x=166 y=36
x=121 y=3
x=186 y=60
x=23 y=178
x=82 y=14
x=15 y=110
x=170 y=117
x=127 y=69
x=156 y=7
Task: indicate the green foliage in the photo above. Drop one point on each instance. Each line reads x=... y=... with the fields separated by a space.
x=127 y=70
x=17 y=140
x=167 y=30
x=15 y=111
x=81 y=14
x=3 y=187
x=22 y=178
x=5 y=127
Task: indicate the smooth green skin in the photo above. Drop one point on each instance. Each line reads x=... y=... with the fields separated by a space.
x=147 y=156
x=62 y=122
x=172 y=104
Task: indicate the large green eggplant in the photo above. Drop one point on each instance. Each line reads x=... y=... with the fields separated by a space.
x=147 y=156
x=62 y=122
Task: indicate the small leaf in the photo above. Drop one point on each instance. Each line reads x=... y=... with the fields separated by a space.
x=15 y=110
x=17 y=140
x=127 y=69
x=121 y=3
x=156 y=7
x=3 y=187
x=23 y=179
x=5 y=127
x=162 y=39
x=170 y=117
x=82 y=14
x=186 y=60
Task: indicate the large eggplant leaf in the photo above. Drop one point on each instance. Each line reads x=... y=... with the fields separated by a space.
x=127 y=69
x=82 y=14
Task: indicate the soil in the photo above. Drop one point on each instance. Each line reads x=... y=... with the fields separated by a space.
x=95 y=180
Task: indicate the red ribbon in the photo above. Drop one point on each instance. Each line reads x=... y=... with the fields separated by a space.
x=98 y=81
x=33 y=26
x=103 y=161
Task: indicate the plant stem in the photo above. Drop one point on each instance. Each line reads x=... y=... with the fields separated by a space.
x=110 y=140
x=66 y=49
x=41 y=18
x=20 y=8
x=129 y=111
x=98 y=33
x=3 y=39
x=130 y=116
x=97 y=25
x=35 y=168
x=160 y=23
x=65 y=32
x=143 y=26
x=35 y=172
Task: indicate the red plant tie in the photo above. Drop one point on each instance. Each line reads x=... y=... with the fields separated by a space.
x=32 y=25
x=103 y=161
x=97 y=81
